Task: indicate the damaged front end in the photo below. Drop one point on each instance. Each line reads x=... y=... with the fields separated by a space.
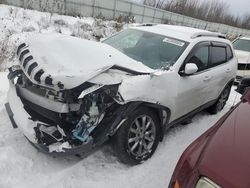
x=69 y=121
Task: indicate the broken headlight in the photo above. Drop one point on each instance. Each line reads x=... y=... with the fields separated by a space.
x=95 y=103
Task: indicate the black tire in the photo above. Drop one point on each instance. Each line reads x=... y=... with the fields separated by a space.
x=221 y=101
x=123 y=145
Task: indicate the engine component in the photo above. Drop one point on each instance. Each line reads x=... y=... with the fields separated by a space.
x=48 y=134
x=87 y=123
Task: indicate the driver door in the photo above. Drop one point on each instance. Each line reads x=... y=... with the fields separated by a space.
x=194 y=89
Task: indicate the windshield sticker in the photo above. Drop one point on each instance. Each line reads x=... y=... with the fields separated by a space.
x=172 y=41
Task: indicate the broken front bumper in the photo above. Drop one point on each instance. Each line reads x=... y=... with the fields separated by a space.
x=22 y=120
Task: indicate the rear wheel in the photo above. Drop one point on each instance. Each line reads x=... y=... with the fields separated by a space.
x=138 y=138
x=221 y=102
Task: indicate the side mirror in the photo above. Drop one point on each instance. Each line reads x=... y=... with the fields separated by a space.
x=190 y=68
x=244 y=83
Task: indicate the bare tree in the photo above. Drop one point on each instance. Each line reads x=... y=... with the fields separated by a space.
x=213 y=11
x=150 y=2
x=246 y=21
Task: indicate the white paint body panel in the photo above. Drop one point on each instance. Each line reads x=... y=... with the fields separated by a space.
x=243 y=56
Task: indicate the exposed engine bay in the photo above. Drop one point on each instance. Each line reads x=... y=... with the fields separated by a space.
x=66 y=118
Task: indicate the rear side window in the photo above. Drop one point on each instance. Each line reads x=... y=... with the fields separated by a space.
x=229 y=53
x=218 y=55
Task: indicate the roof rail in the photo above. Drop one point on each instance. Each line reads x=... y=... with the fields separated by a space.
x=207 y=34
x=146 y=24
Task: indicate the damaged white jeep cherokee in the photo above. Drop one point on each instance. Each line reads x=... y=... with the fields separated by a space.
x=69 y=95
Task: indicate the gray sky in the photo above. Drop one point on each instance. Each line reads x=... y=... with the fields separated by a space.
x=239 y=7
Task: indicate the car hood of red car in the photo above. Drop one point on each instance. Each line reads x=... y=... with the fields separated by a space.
x=226 y=159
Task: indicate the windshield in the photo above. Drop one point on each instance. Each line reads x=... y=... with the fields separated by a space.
x=155 y=51
x=242 y=44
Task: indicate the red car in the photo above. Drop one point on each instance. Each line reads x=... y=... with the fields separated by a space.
x=221 y=156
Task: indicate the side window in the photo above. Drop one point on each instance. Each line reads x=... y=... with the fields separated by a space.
x=229 y=53
x=200 y=58
x=218 y=55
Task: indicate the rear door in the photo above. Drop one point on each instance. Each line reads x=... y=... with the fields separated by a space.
x=221 y=68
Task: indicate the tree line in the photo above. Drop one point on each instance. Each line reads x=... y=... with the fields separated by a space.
x=213 y=11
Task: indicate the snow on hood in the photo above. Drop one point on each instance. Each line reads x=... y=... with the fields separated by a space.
x=242 y=56
x=73 y=61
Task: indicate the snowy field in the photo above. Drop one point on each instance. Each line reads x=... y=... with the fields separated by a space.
x=22 y=166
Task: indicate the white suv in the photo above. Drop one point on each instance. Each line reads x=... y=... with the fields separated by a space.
x=242 y=52
x=69 y=95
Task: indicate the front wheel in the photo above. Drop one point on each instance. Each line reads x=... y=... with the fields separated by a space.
x=221 y=102
x=137 y=139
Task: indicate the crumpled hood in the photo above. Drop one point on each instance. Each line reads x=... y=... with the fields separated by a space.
x=242 y=56
x=72 y=61
x=226 y=159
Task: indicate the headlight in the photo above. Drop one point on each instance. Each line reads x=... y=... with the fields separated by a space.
x=206 y=183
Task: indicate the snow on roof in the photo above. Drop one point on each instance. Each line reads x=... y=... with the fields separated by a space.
x=181 y=32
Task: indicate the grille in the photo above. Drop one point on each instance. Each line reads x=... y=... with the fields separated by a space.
x=29 y=65
x=243 y=66
x=23 y=53
x=20 y=47
x=32 y=68
x=38 y=75
x=26 y=60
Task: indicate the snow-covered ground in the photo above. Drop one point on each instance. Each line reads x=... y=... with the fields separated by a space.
x=17 y=23
x=22 y=166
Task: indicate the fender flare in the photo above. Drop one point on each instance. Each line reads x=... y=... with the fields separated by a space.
x=230 y=84
x=159 y=110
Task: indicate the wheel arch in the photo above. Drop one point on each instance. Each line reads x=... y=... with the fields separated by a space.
x=162 y=112
x=125 y=110
x=230 y=84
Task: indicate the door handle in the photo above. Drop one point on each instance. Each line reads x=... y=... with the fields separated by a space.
x=228 y=70
x=207 y=78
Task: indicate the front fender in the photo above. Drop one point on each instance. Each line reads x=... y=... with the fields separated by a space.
x=120 y=115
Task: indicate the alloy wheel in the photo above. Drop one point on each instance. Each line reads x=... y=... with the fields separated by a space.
x=222 y=100
x=141 y=136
